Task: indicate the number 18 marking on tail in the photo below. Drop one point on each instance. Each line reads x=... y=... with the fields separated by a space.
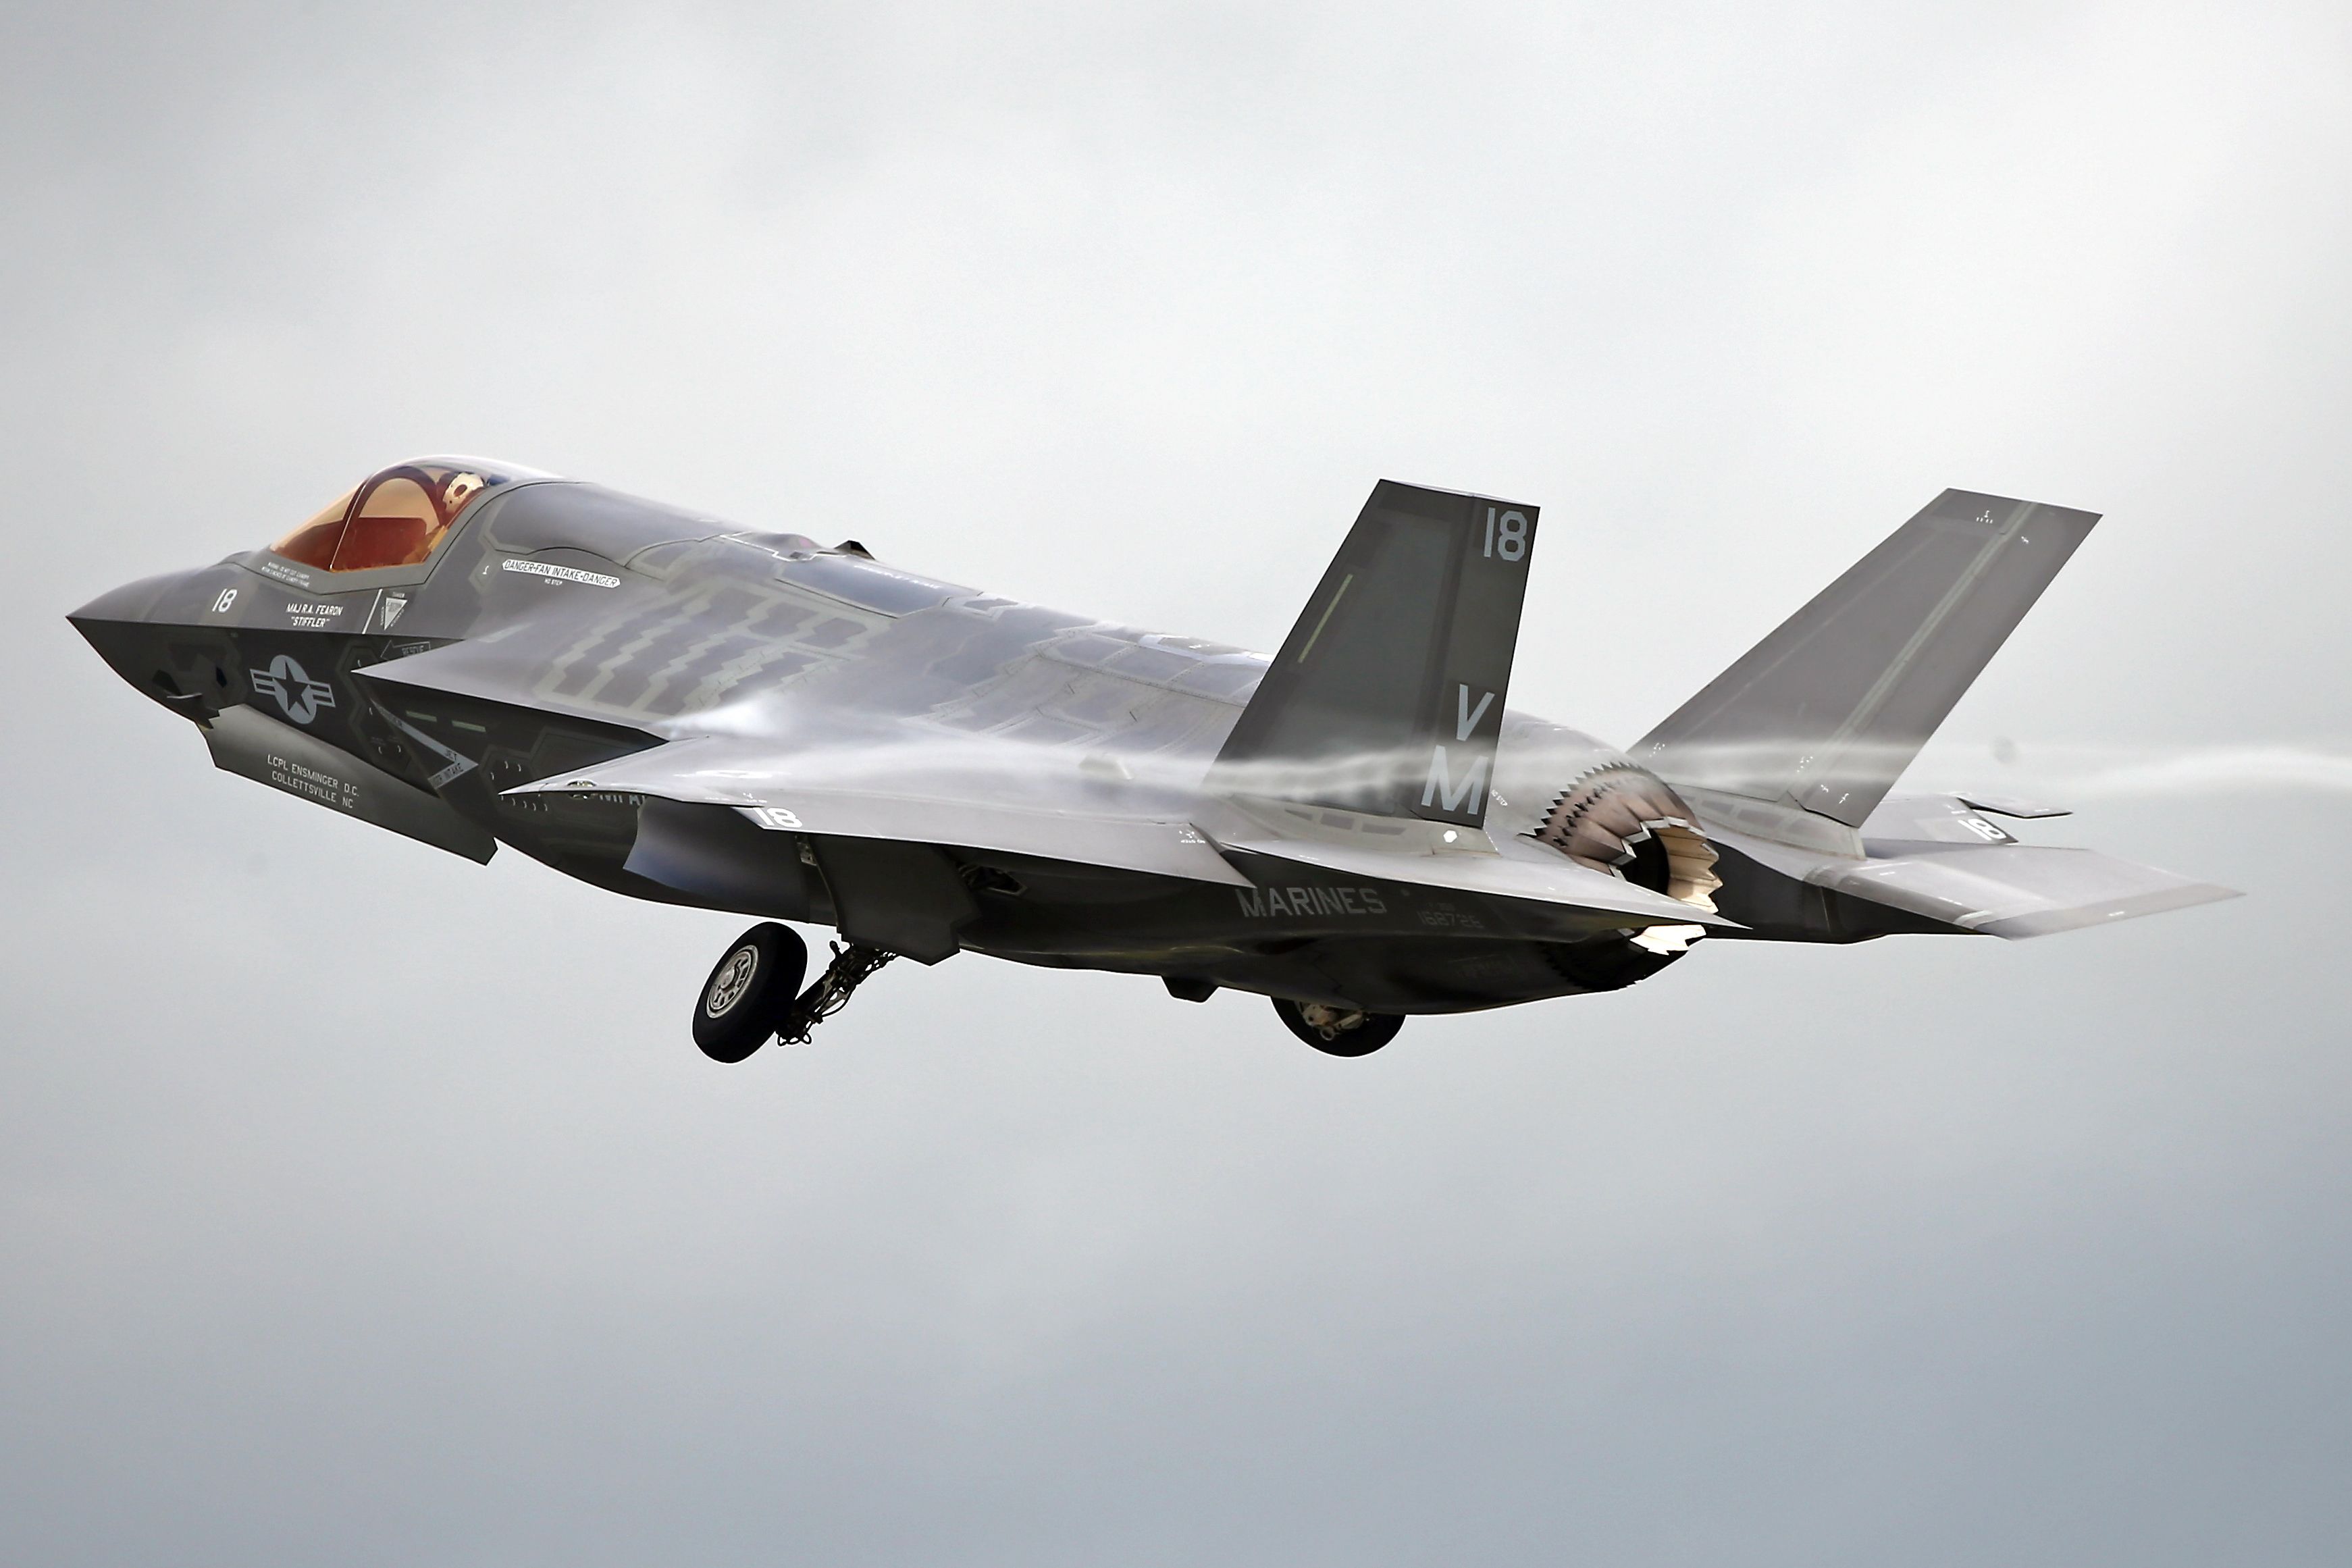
x=1507 y=536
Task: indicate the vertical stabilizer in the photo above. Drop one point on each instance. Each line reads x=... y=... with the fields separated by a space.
x=1827 y=712
x=1388 y=695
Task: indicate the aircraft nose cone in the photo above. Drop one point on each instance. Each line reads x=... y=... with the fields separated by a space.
x=132 y=602
x=120 y=624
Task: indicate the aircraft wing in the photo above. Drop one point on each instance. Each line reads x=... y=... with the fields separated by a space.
x=905 y=803
x=874 y=778
x=973 y=805
x=1027 y=810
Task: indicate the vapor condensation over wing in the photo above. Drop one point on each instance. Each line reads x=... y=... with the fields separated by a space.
x=2122 y=773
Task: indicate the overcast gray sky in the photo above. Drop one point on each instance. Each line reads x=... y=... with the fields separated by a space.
x=359 y=1205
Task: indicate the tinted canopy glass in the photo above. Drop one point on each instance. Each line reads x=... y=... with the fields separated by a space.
x=397 y=518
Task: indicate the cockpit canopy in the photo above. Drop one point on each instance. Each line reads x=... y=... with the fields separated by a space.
x=398 y=517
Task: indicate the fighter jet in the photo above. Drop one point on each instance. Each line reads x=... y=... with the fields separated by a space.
x=673 y=707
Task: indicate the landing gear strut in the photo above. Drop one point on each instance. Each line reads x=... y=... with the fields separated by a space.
x=1338 y=1031
x=853 y=965
x=754 y=995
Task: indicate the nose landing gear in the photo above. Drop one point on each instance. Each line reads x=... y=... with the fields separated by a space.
x=747 y=997
x=853 y=965
x=754 y=995
x=1338 y=1031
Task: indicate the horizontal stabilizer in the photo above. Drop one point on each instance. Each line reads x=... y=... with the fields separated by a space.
x=1826 y=712
x=2017 y=889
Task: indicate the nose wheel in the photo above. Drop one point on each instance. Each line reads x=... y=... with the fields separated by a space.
x=1338 y=1031
x=747 y=997
x=754 y=995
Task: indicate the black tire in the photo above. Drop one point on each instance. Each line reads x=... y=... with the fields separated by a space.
x=744 y=1001
x=1347 y=1034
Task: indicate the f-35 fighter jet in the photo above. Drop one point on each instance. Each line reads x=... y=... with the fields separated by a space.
x=672 y=706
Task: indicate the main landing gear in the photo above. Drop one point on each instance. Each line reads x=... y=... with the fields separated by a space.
x=755 y=993
x=1338 y=1031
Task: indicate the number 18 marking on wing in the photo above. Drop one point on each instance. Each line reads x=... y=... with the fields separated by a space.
x=1507 y=535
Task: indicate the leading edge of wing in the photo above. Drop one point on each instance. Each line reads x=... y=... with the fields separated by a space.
x=900 y=806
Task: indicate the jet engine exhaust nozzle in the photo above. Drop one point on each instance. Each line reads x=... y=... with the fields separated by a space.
x=1627 y=821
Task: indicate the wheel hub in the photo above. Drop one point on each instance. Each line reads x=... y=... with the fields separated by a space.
x=734 y=978
x=1331 y=1023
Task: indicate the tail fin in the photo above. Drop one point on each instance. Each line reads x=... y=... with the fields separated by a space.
x=1387 y=695
x=1826 y=712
